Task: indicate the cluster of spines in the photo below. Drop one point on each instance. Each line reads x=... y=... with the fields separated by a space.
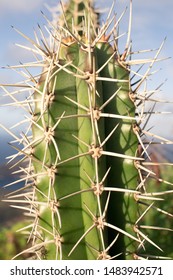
x=75 y=142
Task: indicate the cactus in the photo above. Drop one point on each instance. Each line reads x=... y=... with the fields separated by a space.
x=86 y=181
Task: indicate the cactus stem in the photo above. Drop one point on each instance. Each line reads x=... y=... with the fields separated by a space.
x=98 y=222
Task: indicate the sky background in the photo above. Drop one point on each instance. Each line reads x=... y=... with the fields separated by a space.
x=152 y=21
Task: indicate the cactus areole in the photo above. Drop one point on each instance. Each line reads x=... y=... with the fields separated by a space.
x=84 y=179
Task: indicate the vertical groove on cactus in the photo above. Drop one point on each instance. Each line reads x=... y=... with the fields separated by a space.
x=86 y=182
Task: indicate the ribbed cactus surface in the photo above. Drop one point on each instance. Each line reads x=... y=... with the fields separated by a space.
x=85 y=181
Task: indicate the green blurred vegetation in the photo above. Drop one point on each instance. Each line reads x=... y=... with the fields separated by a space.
x=13 y=242
x=157 y=218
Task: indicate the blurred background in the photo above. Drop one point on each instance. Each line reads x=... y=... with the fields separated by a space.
x=152 y=22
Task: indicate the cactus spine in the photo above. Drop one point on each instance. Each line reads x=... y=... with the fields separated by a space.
x=84 y=176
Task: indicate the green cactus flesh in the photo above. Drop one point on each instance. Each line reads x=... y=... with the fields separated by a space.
x=123 y=173
x=84 y=159
x=69 y=133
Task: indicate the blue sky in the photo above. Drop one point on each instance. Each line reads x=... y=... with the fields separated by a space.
x=152 y=21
